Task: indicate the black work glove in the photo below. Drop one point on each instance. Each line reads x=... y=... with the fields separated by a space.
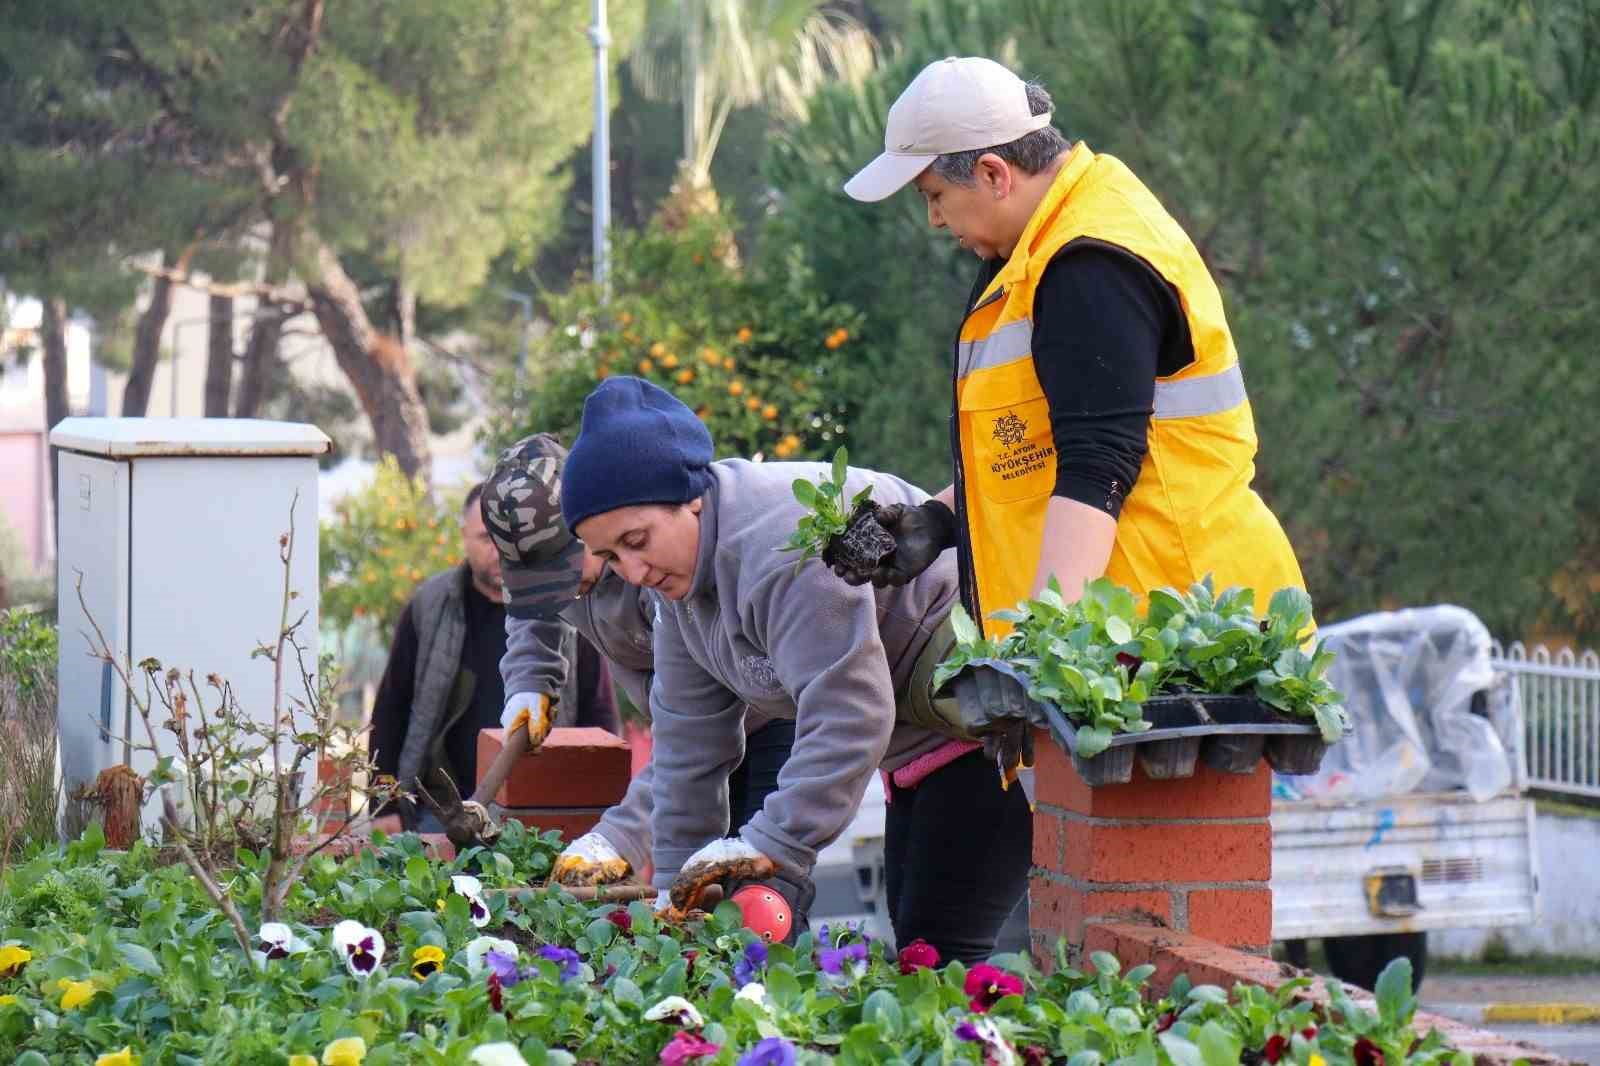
x=920 y=535
x=995 y=709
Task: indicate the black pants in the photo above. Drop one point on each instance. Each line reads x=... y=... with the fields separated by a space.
x=765 y=752
x=956 y=855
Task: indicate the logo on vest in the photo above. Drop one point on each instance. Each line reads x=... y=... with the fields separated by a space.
x=1010 y=430
x=1017 y=456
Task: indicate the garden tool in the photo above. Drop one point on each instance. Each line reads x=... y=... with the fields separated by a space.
x=468 y=823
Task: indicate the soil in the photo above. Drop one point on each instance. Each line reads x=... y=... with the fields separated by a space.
x=864 y=543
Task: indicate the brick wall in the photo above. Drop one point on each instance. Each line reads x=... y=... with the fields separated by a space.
x=567 y=784
x=1193 y=854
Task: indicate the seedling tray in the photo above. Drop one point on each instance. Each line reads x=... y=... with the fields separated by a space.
x=1229 y=733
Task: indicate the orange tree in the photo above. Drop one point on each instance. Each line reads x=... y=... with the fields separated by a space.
x=381 y=542
x=758 y=356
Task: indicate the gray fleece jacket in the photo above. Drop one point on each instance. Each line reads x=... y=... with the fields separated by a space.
x=757 y=631
x=617 y=619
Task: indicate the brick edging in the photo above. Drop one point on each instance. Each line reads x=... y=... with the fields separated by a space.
x=1173 y=953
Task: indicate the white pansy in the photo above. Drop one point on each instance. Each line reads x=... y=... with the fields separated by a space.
x=360 y=948
x=675 y=1009
x=500 y=1054
x=755 y=992
x=472 y=889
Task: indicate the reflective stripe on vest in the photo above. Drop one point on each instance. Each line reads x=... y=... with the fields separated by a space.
x=1180 y=398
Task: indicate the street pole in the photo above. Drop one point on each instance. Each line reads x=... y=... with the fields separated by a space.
x=600 y=37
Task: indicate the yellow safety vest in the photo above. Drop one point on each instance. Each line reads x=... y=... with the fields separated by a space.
x=1192 y=511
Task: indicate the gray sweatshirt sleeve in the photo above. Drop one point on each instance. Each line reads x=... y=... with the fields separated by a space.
x=534 y=661
x=627 y=824
x=698 y=731
x=822 y=638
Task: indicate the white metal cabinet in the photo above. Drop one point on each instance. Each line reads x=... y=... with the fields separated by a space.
x=173 y=525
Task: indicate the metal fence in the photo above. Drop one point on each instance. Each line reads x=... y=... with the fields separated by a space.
x=1561 y=712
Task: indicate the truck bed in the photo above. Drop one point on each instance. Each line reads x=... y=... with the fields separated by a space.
x=1475 y=864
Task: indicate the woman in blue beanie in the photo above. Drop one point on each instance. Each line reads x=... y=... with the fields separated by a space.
x=742 y=626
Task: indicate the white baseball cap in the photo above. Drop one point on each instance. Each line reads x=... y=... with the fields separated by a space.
x=954 y=105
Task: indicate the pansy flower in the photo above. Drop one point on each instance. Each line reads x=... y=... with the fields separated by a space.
x=427 y=959
x=677 y=1010
x=1275 y=1047
x=502 y=966
x=686 y=1047
x=987 y=985
x=13 y=957
x=750 y=963
x=478 y=951
x=918 y=955
x=360 y=948
x=472 y=889
x=277 y=941
x=497 y=1054
x=996 y=1052
x=345 y=1051
x=74 y=994
x=754 y=992
x=848 y=962
x=121 y=1057
x=773 y=1051
x=1366 y=1053
x=566 y=960
x=621 y=919
x=496 y=996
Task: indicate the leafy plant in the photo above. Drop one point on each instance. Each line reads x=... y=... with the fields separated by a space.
x=1099 y=659
x=29 y=794
x=764 y=362
x=380 y=543
x=828 y=515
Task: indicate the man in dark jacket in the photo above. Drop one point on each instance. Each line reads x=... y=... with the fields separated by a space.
x=442 y=682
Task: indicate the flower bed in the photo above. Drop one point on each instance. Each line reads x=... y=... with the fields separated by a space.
x=392 y=957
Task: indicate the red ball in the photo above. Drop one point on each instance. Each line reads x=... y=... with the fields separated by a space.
x=766 y=913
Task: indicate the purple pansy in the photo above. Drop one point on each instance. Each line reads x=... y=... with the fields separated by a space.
x=749 y=967
x=773 y=1051
x=564 y=958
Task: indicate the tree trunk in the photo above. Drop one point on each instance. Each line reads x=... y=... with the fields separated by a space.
x=405 y=312
x=147 y=344
x=53 y=338
x=53 y=335
x=376 y=364
x=219 y=356
x=261 y=350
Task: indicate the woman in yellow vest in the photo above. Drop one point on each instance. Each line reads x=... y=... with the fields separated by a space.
x=1101 y=423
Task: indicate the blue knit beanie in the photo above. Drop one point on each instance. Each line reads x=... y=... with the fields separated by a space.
x=638 y=444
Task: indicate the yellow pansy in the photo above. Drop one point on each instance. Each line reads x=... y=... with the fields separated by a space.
x=426 y=960
x=6 y=1001
x=74 y=994
x=345 y=1051
x=1317 y=1060
x=13 y=957
x=302 y=1060
x=116 y=1058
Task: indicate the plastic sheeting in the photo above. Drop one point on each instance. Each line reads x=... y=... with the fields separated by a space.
x=1427 y=709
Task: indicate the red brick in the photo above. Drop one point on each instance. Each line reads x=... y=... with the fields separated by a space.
x=1154 y=906
x=571 y=822
x=576 y=767
x=1208 y=794
x=1166 y=853
x=1236 y=917
x=1055 y=908
x=1047 y=840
